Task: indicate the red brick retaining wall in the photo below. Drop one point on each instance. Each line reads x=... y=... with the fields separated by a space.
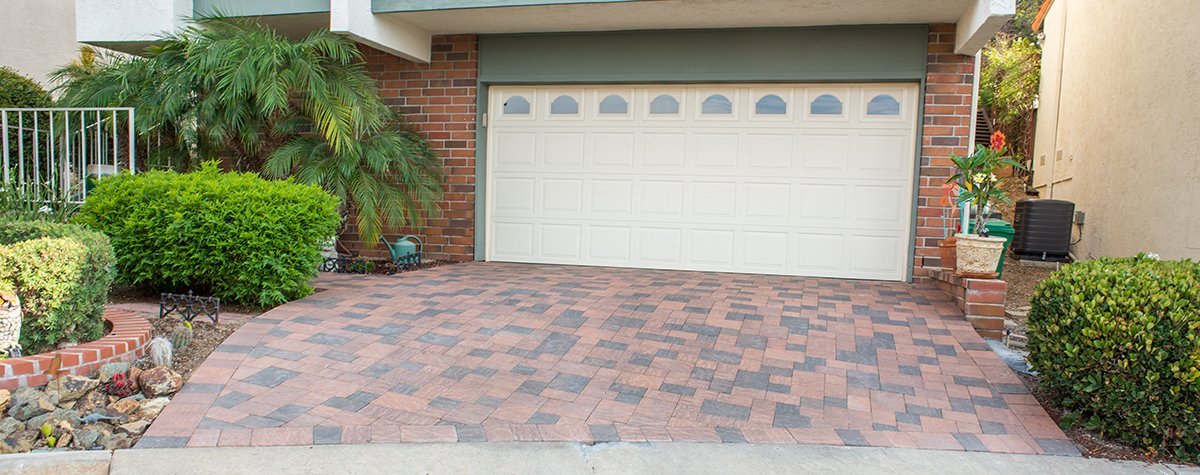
x=126 y=342
x=982 y=300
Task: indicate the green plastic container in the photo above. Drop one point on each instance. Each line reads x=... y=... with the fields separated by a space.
x=998 y=228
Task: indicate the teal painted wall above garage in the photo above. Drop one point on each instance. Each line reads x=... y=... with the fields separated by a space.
x=860 y=53
x=390 y=6
x=259 y=7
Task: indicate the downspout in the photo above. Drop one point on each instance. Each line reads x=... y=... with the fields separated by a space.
x=1062 y=53
x=965 y=212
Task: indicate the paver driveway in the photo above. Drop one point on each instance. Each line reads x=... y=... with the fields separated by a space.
x=503 y=352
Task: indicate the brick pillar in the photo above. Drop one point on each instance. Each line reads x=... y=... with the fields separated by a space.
x=946 y=130
x=438 y=98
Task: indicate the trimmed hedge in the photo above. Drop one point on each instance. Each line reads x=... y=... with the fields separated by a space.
x=232 y=235
x=62 y=273
x=17 y=90
x=1117 y=343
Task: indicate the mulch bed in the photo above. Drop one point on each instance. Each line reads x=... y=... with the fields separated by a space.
x=205 y=338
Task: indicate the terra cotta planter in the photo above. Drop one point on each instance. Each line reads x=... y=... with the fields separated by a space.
x=949 y=258
x=977 y=255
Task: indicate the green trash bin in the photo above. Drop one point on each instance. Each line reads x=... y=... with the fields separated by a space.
x=998 y=228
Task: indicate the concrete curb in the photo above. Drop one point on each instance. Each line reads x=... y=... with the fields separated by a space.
x=94 y=462
x=565 y=458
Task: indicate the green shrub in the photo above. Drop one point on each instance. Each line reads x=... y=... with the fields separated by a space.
x=232 y=235
x=19 y=91
x=1117 y=342
x=62 y=273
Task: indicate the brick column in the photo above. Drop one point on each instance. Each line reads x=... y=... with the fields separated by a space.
x=946 y=130
x=438 y=99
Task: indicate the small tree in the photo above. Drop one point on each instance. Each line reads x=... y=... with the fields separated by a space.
x=239 y=91
x=1008 y=89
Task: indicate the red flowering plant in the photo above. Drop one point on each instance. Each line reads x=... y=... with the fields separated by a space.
x=976 y=180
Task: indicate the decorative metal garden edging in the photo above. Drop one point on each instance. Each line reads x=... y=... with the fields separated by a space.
x=358 y=265
x=190 y=306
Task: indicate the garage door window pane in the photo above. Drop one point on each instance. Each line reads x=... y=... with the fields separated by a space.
x=825 y=104
x=664 y=104
x=614 y=104
x=770 y=105
x=883 y=104
x=564 y=105
x=516 y=105
x=717 y=104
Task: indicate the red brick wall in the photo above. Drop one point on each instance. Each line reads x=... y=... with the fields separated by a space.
x=439 y=99
x=947 y=130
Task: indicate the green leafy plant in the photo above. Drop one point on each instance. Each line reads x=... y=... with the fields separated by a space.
x=62 y=274
x=34 y=202
x=1009 y=80
x=1117 y=340
x=17 y=90
x=975 y=177
x=306 y=109
x=232 y=235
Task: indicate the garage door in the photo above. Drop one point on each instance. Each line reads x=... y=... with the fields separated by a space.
x=810 y=180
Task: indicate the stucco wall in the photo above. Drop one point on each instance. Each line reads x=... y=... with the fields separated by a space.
x=37 y=36
x=1122 y=139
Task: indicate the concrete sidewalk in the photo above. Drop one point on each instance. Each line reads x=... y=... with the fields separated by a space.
x=564 y=458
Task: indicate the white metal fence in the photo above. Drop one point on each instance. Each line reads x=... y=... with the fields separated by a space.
x=56 y=154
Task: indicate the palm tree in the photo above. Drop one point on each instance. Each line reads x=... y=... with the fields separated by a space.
x=238 y=91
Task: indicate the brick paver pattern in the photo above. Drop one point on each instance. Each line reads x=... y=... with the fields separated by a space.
x=513 y=352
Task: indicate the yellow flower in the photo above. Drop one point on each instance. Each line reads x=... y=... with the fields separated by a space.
x=978 y=177
x=993 y=177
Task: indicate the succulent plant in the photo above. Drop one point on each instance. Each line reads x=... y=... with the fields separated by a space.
x=182 y=337
x=162 y=352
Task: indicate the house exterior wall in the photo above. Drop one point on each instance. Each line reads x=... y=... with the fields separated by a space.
x=441 y=99
x=1117 y=124
x=37 y=36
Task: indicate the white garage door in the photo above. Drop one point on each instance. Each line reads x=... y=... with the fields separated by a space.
x=812 y=180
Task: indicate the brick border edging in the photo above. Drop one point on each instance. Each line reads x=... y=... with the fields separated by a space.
x=981 y=300
x=127 y=341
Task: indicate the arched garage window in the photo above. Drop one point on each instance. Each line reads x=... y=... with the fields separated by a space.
x=770 y=104
x=516 y=105
x=883 y=104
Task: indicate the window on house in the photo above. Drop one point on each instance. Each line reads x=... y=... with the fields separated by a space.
x=564 y=105
x=770 y=104
x=664 y=104
x=883 y=104
x=825 y=104
x=614 y=104
x=516 y=105
x=716 y=104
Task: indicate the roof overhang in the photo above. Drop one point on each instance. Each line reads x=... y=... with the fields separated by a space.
x=405 y=27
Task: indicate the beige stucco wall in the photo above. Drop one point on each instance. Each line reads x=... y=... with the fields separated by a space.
x=1122 y=140
x=37 y=36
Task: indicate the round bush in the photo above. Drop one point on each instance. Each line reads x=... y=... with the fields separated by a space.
x=235 y=236
x=62 y=274
x=19 y=91
x=1117 y=343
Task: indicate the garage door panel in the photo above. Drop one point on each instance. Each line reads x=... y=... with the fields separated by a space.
x=702 y=182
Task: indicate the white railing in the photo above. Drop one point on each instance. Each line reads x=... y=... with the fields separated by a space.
x=55 y=154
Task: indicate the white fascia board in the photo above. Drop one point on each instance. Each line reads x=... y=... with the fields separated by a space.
x=121 y=21
x=354 y=19
x=980 y=23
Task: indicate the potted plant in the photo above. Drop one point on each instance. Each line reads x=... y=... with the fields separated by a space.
x=979 y=187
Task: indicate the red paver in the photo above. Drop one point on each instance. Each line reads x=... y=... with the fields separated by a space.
x=513 y=352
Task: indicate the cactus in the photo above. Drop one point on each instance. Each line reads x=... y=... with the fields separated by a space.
x=182 y=337
x=161 y=352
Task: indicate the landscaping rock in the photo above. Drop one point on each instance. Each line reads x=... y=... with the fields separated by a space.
x=54 y=418
x=29 y=402
x=108 y=370
x=86 y=438
x=133 y=428
x=10 y=425
x=150 y=408
x=22 y=441
x=91 y=401
x=124 y=407
x=115 y=441
x=70 y=387
x=135 y=374
x=5 y=399
x=160 y=382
